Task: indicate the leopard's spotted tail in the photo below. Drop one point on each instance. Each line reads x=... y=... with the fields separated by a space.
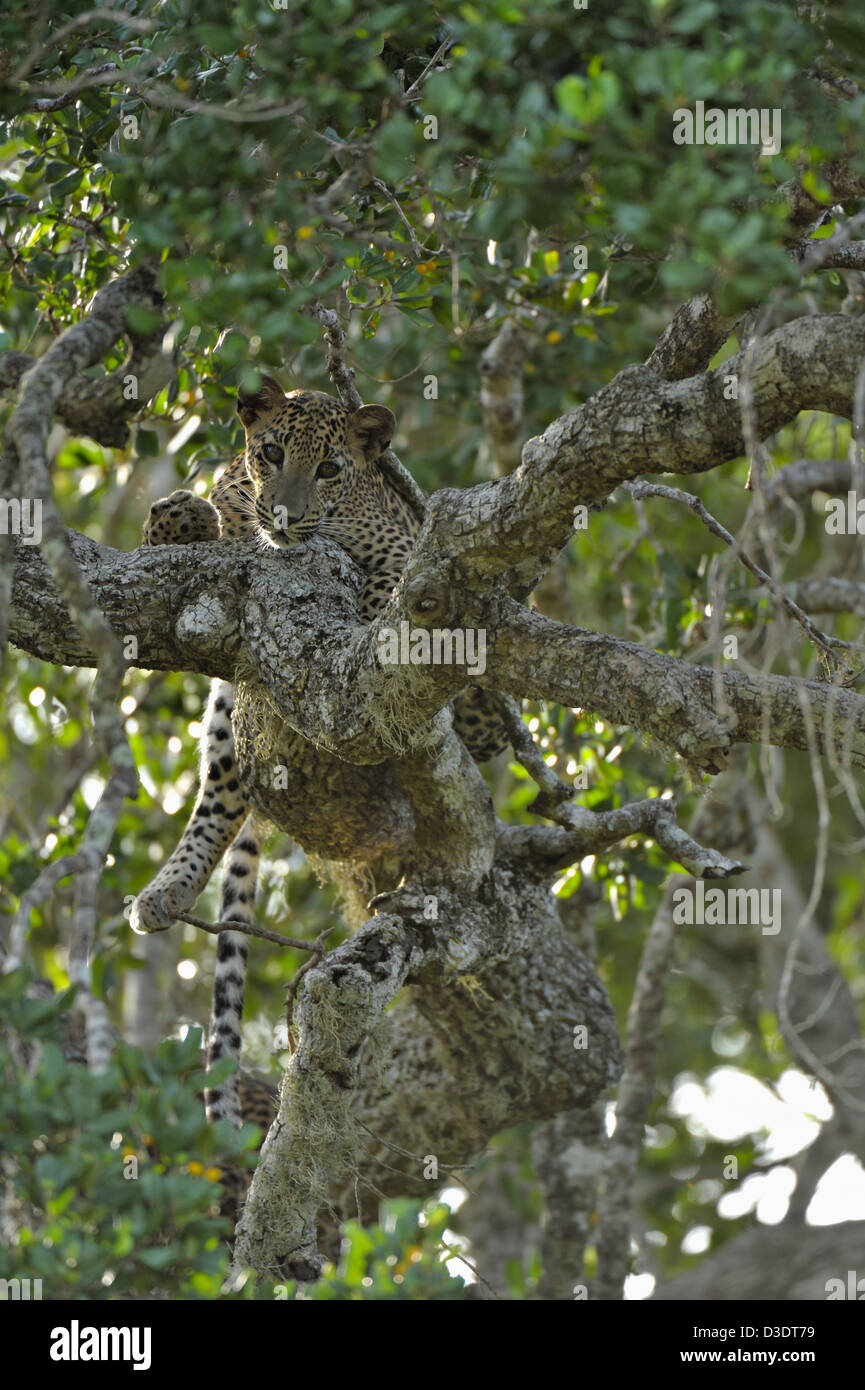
x=229 y=981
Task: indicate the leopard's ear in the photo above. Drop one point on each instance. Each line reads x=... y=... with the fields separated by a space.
x=251 y=405
x=373 y=427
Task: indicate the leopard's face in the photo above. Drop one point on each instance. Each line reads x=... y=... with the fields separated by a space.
x=305 y=454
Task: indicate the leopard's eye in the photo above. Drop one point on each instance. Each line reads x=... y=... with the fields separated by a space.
x=328 y=469
x=274 y=453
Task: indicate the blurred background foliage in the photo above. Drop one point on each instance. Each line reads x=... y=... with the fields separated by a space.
x=429 y=174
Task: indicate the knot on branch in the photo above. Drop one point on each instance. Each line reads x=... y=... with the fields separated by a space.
x=428 y=598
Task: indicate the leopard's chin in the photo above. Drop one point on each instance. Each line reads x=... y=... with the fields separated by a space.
x=284 y=540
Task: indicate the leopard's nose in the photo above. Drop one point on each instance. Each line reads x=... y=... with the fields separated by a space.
x=290 y=501
x=283 y=519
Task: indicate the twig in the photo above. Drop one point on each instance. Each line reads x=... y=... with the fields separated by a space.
x=92 y=77
x=403 y=1173
x=553 y=790
x=342 y=377
x=411 y=92
x=166 y=100
x=596 y=830
x=248 y=929
x=39 y=890
x=383 y=241
x=453 y=1169
x=340 y=373
x=673 y=494
x=836 y=252
x=457 y=1255
x=417 y=246
x=113 y=17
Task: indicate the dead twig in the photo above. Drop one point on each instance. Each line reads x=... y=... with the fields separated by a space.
x=249 y=929
x=821 y=640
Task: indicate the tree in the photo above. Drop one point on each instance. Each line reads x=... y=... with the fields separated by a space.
x=493 y=216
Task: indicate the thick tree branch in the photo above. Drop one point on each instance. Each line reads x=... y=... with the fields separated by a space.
x=698 y=712
x=790 y=1262
x=638 y=424
x=692 y=337
x=498 y=993
x=340 y=1003
x=804 y=476
x=210 y=609
x=830 y=254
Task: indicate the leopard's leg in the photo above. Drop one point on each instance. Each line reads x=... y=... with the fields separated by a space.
x=229 y=980
x=181 y=518
x=214 y=822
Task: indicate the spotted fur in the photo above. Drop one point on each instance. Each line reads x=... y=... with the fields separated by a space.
x=309 y=466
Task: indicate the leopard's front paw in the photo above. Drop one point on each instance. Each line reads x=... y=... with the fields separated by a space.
x=156 y=908
x=180 y=519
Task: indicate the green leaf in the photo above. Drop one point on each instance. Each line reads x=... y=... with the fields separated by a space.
x=157 y=1259
x=69 y=184
x=141 y=320
x=146 y=443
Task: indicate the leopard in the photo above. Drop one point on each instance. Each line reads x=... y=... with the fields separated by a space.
x=310 y=466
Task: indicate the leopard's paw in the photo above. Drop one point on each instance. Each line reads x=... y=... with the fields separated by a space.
x=179 y=519
x=156 y=908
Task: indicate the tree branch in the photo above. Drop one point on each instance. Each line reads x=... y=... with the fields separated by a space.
x=210 y=609
x=99 y=407
x=692 y=337
x=41 y=387
x=638 y=424
x=691 y=708
x=502 y=395
x=636 y=1092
